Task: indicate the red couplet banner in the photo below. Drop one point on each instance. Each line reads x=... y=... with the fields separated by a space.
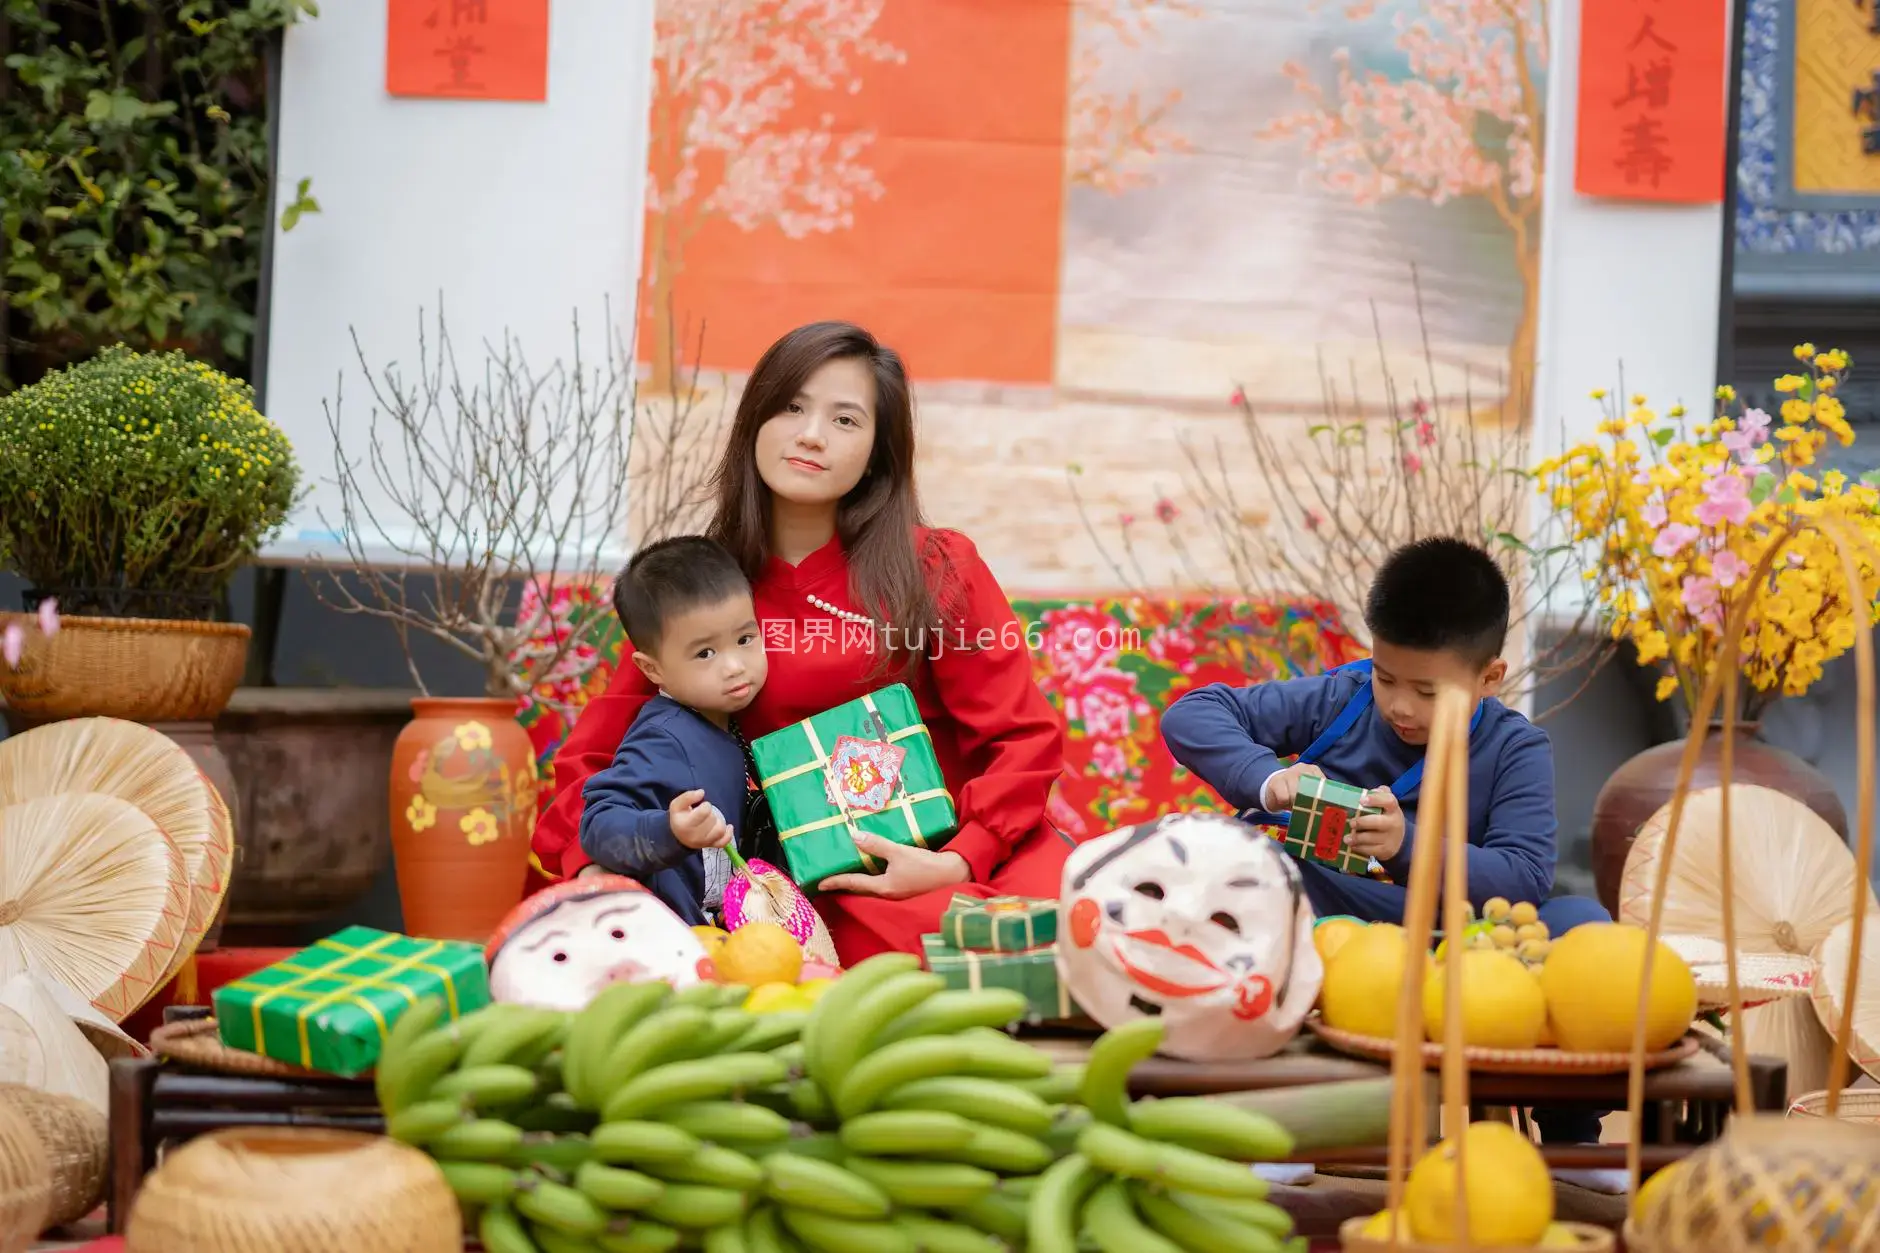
x=1652 y=112
x=467 y=49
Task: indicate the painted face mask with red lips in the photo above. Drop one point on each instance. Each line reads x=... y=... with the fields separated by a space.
x=1198 y=918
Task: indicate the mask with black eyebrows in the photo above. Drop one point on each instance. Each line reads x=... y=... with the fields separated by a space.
x=1199 y=918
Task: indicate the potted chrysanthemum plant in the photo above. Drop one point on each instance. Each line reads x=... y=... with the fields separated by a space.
x=132 y=487
x=1678 y=513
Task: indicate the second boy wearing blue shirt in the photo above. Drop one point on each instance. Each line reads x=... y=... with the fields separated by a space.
x=664 y=810
x=1438 y=614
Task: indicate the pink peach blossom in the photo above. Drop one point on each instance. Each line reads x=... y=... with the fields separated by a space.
x=1728 y=569
x=49 y=616
x=1726 y=500
x=13 y=644
x=1674 y=539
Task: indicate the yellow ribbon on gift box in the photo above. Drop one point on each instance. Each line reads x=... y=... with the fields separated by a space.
x=844 y=815
x=975 y=981
x=380 y=979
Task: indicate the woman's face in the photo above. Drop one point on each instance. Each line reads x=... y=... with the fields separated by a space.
x=816 y=450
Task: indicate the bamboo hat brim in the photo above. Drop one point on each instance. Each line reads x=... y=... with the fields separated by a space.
x=1791 y=873
x=92 y=895
x=151 y=771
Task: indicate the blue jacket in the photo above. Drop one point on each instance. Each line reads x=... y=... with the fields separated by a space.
x=669 y=749
x=1233 y=738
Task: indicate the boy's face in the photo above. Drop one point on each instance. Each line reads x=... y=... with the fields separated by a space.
x=1404 y=682
x=710 y=657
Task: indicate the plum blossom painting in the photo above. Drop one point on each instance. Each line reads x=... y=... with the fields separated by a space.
x=1086 y=223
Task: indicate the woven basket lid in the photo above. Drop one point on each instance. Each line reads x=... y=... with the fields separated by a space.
x=1831 y=983
x=1791 y=872
x=133 y=763
x=93 y=895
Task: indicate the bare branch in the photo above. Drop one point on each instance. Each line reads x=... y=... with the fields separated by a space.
x=479 y=494
x=1340 y=492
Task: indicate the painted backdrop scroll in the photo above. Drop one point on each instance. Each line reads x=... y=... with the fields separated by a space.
x=1084 y=222
x=1651 y=110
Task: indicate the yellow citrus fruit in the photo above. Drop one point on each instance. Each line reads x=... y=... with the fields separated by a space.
x=711 y=938
x=1510 y=1193
x=1559 y=1236
x=1330 y=934
x=813 y=989
x=758 y=953
x=1378 y=1225
x=1653 y=1190
x=1502 y=1005
x=771 y=998
x=1362 y=982
x=1592 y=978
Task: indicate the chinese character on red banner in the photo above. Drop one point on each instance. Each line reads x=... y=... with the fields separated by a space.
x=471 y=49
x=1651 y=109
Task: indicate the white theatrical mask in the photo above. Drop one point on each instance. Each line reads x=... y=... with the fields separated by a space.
x=1200 y=918
x=560 y=947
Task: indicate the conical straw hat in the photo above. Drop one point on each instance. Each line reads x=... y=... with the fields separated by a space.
x=93 y=895
x=1863 y=1046
x=1792 y=874
x=22 y=1057
x=133 y=763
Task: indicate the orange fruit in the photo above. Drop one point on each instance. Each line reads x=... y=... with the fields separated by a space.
x=758 y=953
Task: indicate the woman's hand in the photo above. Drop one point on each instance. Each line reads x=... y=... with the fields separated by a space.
x=909 y=871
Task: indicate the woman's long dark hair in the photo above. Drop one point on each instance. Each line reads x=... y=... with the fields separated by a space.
x=889 y=576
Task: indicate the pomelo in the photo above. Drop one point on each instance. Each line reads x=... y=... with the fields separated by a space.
x=1591 y=978
x=1510 y=1192
x=1502 y=1004
x=1363 y=981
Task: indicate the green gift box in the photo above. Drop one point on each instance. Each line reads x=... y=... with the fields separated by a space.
x=328 y=1007
x=1322 y=814
x=1033 y=972
x=868 y=766
x=1003 y=924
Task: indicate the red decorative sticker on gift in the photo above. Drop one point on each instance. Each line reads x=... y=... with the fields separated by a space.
x=1331 y=835
x=863 y=774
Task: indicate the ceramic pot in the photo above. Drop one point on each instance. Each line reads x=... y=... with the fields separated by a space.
x=1643 y=785
x=462 y=810
x=311 y=766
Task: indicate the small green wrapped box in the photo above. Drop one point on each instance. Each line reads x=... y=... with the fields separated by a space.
x=1033 y=972
x=328 y=1007
x=868 y=766
x=1003 y=924
x=1322 y=814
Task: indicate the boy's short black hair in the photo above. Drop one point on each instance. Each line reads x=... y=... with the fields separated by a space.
x=1440 y=595
x=670 y=577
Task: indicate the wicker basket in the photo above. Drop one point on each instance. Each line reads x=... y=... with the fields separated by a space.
x=1806 y=1184
x=1586 y=1239
x=1856 y=1105
x=139 y=669
x=77 y=1144
x=295 y=1190
x=25 y=1183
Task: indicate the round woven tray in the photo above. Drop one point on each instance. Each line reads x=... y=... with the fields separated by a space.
x=1587 y=1239
x=194 y=1043
x=1857 y=1105
x=1507 y=1061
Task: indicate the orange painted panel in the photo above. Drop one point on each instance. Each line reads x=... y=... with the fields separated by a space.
x=955 y=262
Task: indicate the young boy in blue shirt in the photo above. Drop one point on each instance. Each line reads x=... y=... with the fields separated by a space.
x=1438 y=613
x=664 y=811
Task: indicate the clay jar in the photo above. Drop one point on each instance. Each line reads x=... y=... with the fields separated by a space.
x=1643 y=785
x=462 y=810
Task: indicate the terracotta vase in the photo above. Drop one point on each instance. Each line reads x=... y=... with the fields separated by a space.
x=462 y=810
x=1643 y=785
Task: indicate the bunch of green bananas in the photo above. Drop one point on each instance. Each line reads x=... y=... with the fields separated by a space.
x=1165 y=1176
x=897 y=1116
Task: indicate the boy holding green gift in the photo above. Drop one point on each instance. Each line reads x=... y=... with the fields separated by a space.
x=1438 y=614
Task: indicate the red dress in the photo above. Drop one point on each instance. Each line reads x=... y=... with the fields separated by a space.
x=1000 y=743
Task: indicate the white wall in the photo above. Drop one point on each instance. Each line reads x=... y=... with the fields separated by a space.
x=1628 y=288
x=519 y=214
